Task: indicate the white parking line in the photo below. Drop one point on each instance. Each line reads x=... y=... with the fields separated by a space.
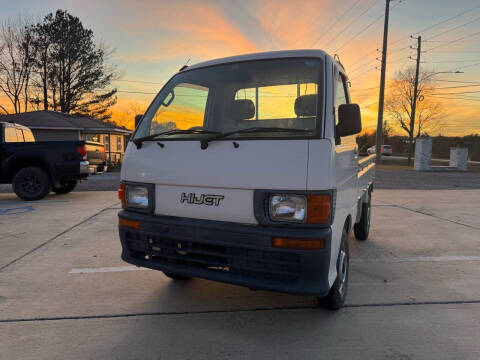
x=358 y=261
x=105 y=269
x=417 y=259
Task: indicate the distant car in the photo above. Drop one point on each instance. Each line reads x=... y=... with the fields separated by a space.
x=385 y=150
x=96 y=157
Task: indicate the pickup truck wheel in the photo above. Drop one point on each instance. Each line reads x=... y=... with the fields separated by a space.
x=338 y=293
x=65 y=187
x=176 y=277
x=31 y=183
x=362 y=228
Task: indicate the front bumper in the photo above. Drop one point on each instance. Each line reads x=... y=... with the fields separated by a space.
x=228 y=252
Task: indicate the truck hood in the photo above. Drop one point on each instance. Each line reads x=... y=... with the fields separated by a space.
x=181 y=168
x=255 y=164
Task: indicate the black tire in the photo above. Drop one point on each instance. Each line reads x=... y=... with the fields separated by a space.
x=338 y=292
x=176 y=276
x=65 y=187
x=362 y=228
x=31 y=183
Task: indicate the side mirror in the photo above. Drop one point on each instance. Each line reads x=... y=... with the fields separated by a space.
x=138 y=118
x=349 y=120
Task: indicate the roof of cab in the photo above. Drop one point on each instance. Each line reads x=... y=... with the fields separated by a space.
x=260 y=56
x=14 y=124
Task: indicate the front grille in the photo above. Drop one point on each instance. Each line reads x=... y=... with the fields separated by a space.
x=242 y=261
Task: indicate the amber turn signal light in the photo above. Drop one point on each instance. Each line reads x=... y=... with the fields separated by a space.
x=298 y=244
x=318 y=208
x=121 y=194
x=129 y=223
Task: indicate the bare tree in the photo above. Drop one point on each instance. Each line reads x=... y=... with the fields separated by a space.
x=16 y=62
x=399 y=103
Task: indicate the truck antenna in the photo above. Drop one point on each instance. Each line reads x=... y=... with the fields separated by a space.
x=185 y=66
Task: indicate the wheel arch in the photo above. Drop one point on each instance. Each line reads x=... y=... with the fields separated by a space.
x=17 y=163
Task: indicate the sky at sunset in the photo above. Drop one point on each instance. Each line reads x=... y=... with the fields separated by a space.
x=153 y=39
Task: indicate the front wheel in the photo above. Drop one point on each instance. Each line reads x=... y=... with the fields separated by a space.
x=31 y=183
x=338 y=292
x=65 y=187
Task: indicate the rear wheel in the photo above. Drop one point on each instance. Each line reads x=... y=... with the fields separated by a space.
x=176 y=276
x=31 y=183
x=338 y=292
x=65 y=187
x=362 y=228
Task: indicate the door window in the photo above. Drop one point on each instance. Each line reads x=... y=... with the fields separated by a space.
x=10 y=134
x=341 y=98
x=19 y=135
x=28 y=136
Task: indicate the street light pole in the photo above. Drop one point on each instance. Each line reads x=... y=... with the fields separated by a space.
x=382 y=84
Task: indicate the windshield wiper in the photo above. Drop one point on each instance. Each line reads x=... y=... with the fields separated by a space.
x=138 y=142
x=204 y=142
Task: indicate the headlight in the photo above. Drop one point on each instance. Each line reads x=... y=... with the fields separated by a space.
x=285 y=207
x=136 y=196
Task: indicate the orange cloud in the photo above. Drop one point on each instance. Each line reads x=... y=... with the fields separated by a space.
x=191 y=29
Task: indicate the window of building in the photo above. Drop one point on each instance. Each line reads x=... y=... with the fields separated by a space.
x=93 y=137
x=119 y=143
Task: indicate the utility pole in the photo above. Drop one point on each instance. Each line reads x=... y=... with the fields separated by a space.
x=414 y=103
x=382 y=84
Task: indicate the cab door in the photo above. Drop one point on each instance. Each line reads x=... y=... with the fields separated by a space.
x=346 y=152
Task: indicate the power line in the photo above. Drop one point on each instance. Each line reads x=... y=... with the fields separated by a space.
x=360 y=32
x=140 y=81
x=453 y=41
x=449 y=61
x=456 y=87
x=458 y=81
x=456 y=98
x=447 y=20
x=467 y=66
x=351 y=23
x=363 y=89
x=137 y=92
x=458 y=93
x=335 y=23
x=421 y=31
x=368 y=26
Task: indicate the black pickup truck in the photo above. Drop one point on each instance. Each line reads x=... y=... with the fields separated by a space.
x=36 y=168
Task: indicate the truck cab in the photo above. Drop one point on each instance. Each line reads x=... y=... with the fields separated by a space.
x=245 y=170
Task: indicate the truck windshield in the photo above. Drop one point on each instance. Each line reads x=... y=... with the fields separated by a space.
x=225 y=98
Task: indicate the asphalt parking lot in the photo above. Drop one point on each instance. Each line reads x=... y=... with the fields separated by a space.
x=414 y=289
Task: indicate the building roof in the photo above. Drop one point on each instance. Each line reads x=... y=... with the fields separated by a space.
x=52 y=120
x=261 y=56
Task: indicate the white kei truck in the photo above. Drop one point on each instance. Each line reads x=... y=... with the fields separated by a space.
x=245 y=170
